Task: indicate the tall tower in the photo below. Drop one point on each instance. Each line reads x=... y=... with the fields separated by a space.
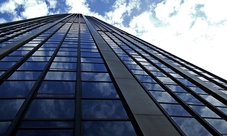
x=71 y=74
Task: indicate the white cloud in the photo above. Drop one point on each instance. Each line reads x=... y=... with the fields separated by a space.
x=77 y=6
x=2 y=20
x=194 y=31
x=34 y=9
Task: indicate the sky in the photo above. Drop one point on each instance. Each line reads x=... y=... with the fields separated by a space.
x=194 y=30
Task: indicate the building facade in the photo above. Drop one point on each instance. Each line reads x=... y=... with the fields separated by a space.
x=71 y=74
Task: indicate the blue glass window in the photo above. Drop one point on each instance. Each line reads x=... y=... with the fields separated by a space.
x=97 y=60
x=60 y=76
x=11 y=89
x=39 y=124
x=98 y=90
x=204 y=111
x=32 y=66
x=65 y=66
x=175 y=110
x=57 y=87
x=31 y=132
x=9 y=108
x=51 y=108
x=162 y=97
x=103 y=109
x=95 y=76
x=3 y=127
x=107 y=128
x=24 y=75
x=92 y=67
x=191 y=130
x=70 y=59
x=218 y=124
x=6 y=65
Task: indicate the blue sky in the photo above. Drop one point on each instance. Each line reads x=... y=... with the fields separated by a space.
x=194 y=30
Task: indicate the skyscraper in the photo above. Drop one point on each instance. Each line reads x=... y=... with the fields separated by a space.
x=71 y=74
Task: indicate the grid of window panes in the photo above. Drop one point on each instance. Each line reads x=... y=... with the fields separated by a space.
x=21 y=73
x=201 y=74
x=40 y=83
x=166 y=87
x=11 y=34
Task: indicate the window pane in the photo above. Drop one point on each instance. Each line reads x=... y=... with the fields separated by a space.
x=60 y=76
x=9 y=108
x=98 y=90
x=44 y=132
x=10 y=89
x=92 y=67
x=64 y=66
x=204 y=111
x=175 y=110
x=97 y=60
x=162 y=97
x=218 y=124
x=103 y=109
x=39 y=124
x=24 y=75
x=57 y=87
x=32 y=66
x=95 y=76
x=51 y=109
x=3 y=127
x=6 y=65
x=188 y=98
x=70 y=59
x=107 y=128
x=152 y=86
x=191 y=130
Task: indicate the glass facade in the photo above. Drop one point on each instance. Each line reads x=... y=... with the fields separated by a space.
x=71 y=74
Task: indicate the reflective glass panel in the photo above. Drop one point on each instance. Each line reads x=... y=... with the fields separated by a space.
x=39 y=124
x=10 y=89
x=31 y=132
x=188 y=98
x=175 y=110
x=95 y=76
x=144 y=78
x=66 y=66
x=204 y=111
x=51 y=108
x=191 y=130
x=107 y=128
x=97 y=60
x=38 y=58
x=8 y=58
x=218 y=124
x=9 y=108
x=152 y=86
x=24 y=75
x=6 y=65
x=213 y=100
x=162 y=96
x=103 y=109
x=98 y=90
x=70 y=59
x=175 y=88
x=3 y=127
x=92 y=67
x=32 y=66
x=57 y=87
x=60 y=76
